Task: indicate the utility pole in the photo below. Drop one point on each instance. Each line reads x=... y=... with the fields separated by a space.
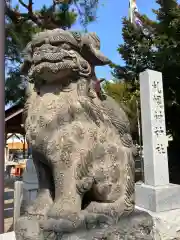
x=2 y=117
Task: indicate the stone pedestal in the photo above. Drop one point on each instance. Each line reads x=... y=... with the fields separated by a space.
x=166 y=224
x=159 y=198
x=8 y=236
x=146 y=225
x=156 y=193
x=138 y=225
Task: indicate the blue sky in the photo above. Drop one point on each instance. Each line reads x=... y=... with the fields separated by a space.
x=109 y=26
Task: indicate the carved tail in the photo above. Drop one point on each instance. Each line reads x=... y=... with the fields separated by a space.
x=129 y=188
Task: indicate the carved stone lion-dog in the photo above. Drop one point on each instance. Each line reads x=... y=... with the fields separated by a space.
x=81 y=145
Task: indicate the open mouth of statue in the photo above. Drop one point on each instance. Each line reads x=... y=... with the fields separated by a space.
x=40 y=57
x=50 y=63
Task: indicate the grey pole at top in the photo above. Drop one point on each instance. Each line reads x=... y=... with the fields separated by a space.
x=2 y=117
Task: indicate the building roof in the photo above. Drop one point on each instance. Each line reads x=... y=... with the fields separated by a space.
x=13 y=119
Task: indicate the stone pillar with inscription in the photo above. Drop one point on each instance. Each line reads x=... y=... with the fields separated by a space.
x=156 y=193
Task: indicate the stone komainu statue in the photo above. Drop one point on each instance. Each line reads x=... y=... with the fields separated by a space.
x=81 y=144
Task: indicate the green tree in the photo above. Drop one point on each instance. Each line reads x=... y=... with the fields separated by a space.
x=127 y=98
x=159 y=51
x=20 y=26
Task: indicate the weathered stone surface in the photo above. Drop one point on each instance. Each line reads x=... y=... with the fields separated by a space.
x=138 y=225
x=81 y=145
x=166 y=224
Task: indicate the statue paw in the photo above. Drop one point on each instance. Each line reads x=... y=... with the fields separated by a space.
x=26 y=228
x=93 y=220
x=63 y=222
x=63 y=209
x=57 y=225
x=84 y=185
x=37 y=210
x=40 y=205
x=55 y=213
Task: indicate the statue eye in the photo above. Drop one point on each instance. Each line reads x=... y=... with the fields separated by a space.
x=65 y=46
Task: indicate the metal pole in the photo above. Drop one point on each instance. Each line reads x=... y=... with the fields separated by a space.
x=140 y=140
x=24 y=147
x=2 y=117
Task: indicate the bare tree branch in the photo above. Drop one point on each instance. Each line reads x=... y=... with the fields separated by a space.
x=23 y=4
x=45 y=21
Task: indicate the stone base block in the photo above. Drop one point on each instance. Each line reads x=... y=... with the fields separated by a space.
x=8 y=236
x=138 y=225
x=166 y=224
x=141 y=224
x=157 y=199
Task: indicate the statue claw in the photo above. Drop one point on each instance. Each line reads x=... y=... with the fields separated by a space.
x=57 y=225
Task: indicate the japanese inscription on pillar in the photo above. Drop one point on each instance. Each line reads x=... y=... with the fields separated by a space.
x=158 y=117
